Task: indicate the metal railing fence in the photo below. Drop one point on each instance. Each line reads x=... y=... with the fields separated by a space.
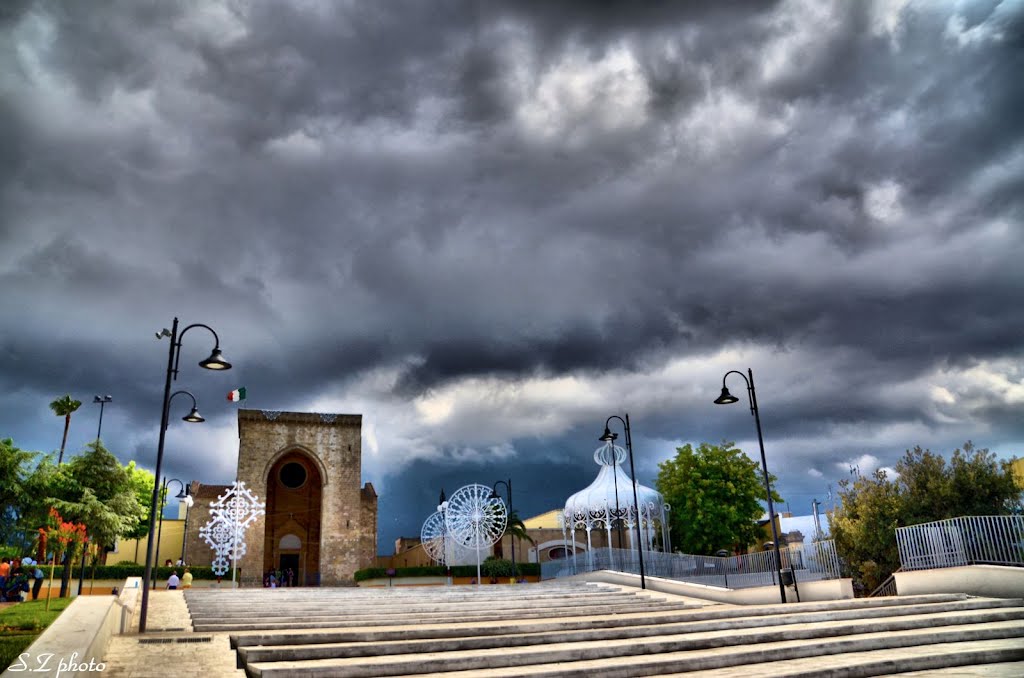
x=810 y=562
x=967 y=540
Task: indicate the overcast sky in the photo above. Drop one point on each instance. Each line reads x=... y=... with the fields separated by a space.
x=487 y=226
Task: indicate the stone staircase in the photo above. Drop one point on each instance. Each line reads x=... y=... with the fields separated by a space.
x=559 y=629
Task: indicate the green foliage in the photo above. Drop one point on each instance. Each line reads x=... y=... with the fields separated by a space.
x=65 y=407
x=864 y=528
x=14 y=498
x=30 y=615
x=99 y=492
x=926 y=489
x=516 y=528
x=122 y=571
x=142 y=482
x=716 y=493
x=497 y=567
x=22 y=623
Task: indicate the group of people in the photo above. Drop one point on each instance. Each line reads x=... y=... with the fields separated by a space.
x=174 y=581
x=15 y=576
x=276 y=578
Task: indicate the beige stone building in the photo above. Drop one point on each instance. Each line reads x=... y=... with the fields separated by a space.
x=320 y=521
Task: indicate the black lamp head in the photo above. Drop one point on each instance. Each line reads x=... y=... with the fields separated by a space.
x=216 y=361
x=181 y=494
x=726 y=398
x=608 y=436
x=443 y=498
x=193 y=417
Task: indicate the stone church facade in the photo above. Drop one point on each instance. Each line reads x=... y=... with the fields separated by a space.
x=320 y=520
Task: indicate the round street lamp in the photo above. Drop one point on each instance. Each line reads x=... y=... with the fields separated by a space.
x=727 y=398
x=608 y=436
x=184 y=493
x=216 y=361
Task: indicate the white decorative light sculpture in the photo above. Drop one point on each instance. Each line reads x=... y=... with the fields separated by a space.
x=230 y=515
x=432 y=536
x=474 y=520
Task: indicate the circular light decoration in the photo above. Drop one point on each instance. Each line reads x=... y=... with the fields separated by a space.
x=433 y=536
x=474 y=520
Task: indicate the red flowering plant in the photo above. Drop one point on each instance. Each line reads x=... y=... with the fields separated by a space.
x=61 y=534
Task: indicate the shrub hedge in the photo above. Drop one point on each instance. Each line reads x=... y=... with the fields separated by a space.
x=528 y=569
x=125 y=570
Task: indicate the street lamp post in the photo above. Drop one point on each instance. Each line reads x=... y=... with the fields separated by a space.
x=727 y=399
x=182 y=494
x=442 y=505
x=102 y=400
x=608 y=436
x=214 y=362
x=494 y=495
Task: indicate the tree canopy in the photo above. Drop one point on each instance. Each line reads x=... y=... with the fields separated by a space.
x=92 y=488
x=716 y=493
x=925 y=488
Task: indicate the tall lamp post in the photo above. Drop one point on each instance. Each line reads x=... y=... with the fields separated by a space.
x=101 y=400
x=442 y=505
x=494 y=495
x=182 y=494
x=214 y=362
x=608 y=436
x=727 y=399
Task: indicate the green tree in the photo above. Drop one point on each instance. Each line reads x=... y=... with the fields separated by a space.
x=716 y=493
x=926 y=488
x=65 y=407
x=94 y=489
x=516 y=529
x=142 y=483
x=864 y=526
x=14 y=498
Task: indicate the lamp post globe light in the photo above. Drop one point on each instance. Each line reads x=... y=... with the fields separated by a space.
x=494 y=495
x=214 y=362
x=727 y=398
x=183 y=493
x=608 y=436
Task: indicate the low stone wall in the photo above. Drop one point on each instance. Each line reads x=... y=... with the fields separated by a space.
x=993 y=581
x=74 y=644
x=824 y=589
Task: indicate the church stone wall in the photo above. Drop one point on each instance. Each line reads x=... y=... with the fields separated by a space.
x=334 y=440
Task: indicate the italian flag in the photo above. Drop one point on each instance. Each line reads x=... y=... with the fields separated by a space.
x=237 y=395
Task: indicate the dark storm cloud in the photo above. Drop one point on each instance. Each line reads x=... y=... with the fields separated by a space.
x=464 y=217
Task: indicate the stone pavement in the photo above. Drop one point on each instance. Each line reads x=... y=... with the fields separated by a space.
x=170 y=647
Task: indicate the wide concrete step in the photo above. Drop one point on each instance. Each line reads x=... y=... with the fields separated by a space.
x=386 y=607
x=650 y=656
x=705 y=630
x=700 y=619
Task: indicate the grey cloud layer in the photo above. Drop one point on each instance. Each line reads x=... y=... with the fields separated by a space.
x=513 y=189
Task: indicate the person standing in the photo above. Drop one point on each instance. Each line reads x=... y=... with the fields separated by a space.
x=186 y=579
x=37 y=580
x=173 y=581
x=5 y=572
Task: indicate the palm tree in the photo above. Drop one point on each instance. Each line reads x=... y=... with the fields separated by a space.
x=514 y=528
x=63 y=407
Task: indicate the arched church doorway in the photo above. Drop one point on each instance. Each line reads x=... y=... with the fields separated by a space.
x=294 y=499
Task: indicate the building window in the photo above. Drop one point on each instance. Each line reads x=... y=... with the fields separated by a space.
x=293 y=475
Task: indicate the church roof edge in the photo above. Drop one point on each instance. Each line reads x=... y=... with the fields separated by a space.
x=326 y=418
